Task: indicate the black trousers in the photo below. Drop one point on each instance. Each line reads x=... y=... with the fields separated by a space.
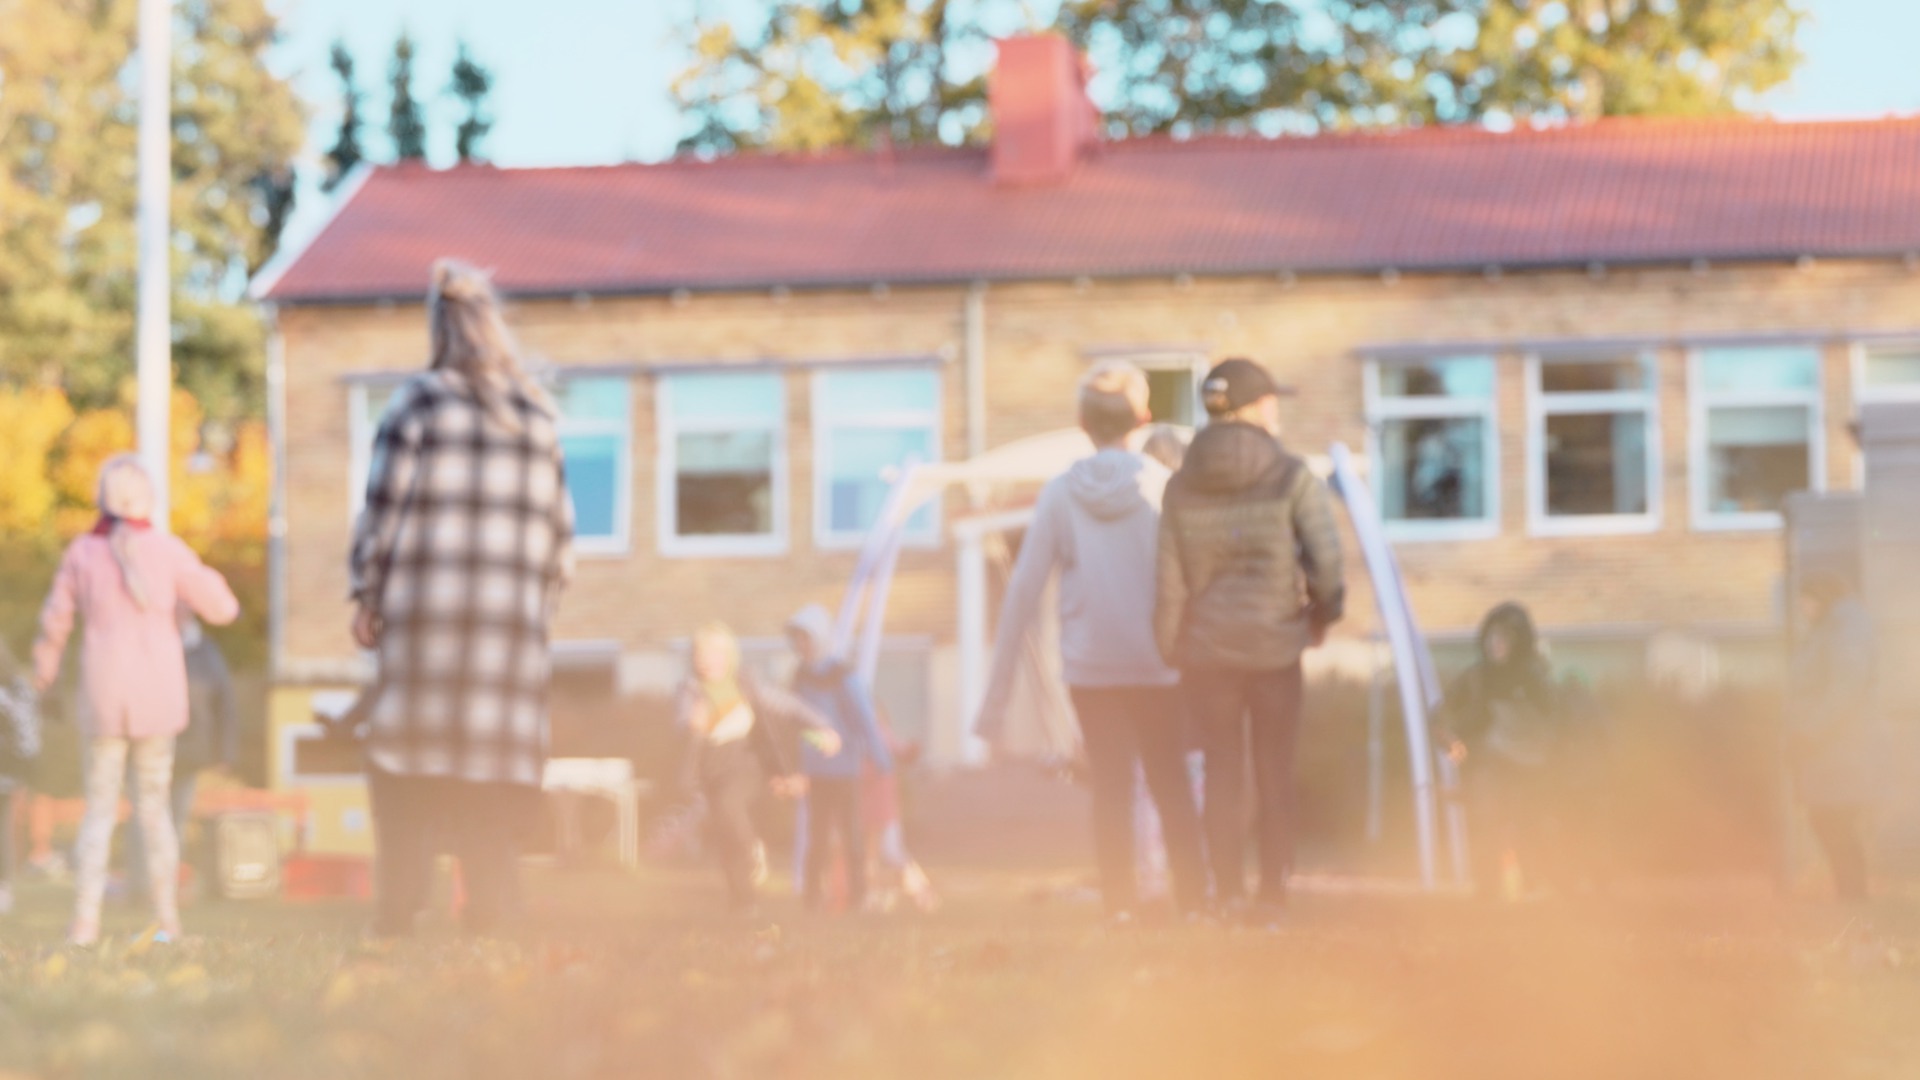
x=833 y=809
x=1144 y=724
x=732 y=780
x=415 y=818
x=1242 y=716
x=1837 y=827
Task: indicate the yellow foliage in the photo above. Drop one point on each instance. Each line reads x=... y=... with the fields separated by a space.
x=50 y=459
x=31 y=422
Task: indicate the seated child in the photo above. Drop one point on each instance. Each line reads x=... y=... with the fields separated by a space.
x=1500 y=725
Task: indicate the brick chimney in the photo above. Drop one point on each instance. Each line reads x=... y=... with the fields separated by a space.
x=1042 y=118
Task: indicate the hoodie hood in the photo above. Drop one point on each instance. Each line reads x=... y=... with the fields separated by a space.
x=1114 y=483
x=1229 y=456
x=816 y=625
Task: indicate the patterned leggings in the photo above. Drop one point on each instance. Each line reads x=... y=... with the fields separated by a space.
x=152 y=782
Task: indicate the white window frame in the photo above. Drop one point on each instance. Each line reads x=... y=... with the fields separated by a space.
x=1542 y=404
x=1857 y=353
x=666 y=487
x=1380 y=408
x=621 y=542
x=930 y=420
x=361 y=430
x=1700 y=403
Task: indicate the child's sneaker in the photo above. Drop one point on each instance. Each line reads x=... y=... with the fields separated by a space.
x=6 y=899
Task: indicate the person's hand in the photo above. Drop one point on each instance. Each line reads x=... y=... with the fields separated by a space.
x=1457 y=752
x=46 y=668
x=825 y=740
x=367 y=625
x=789 y=787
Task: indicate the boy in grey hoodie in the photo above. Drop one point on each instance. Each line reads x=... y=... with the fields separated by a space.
x=1098 y=526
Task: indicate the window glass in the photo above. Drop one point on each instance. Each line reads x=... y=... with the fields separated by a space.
x=871 y=423
x=1596 y=463
x=1760 y=370
x=593 y=479
x=725 y=431
x=1893 y=368
x=1757 y=457
x=728 y=396
x=1171 y=396
x=1469 y=377
x=1434 y=469
x=1596 y=376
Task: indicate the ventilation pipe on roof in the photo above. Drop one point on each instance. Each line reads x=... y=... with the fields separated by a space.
x=1043 y=119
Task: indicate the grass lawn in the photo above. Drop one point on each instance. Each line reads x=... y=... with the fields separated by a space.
x=643 y=976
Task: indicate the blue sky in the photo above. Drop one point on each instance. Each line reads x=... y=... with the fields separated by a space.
x=585 y=81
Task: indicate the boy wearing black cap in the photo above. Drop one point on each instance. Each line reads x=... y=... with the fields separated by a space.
x=1249 y=578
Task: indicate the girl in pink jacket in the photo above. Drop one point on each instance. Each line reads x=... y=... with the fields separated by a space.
x=127 y=580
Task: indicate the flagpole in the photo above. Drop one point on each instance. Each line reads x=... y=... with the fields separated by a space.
x=153 y=332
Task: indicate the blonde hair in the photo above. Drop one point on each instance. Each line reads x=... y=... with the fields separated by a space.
x=468 y=335
x=718 y=635
x=126 y=494
x=1113 y=400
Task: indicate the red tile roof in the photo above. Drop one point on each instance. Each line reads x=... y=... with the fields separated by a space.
x=1613 y=192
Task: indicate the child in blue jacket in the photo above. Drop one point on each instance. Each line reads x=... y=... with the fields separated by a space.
x=829 y=686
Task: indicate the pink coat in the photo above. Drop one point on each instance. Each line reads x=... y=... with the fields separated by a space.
x=133 y=668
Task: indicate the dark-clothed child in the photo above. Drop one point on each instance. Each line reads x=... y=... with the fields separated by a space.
x=831 y=688
x=1500 y=724
x=742 y=733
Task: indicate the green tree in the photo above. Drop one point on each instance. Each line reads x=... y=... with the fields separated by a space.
x=1589 y=58
x=815 y=73
x=471 y=84
x=406 y=124
x=68 y=196
x=346 y=152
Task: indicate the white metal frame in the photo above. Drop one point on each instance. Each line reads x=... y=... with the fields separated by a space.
x=666 y=486
x=1541 y=404
x=1700 y=403
x=930 y=420
x=621 y=542
x=1380 y=409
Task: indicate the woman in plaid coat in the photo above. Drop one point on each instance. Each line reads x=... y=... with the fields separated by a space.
x=458 y=563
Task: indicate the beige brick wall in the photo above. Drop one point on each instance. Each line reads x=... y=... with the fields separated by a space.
x=1038 y=339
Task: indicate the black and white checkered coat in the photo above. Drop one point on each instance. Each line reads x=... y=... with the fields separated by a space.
x=463 y=548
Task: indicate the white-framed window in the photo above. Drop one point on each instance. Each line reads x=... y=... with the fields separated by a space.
x=1435 y=446
x=1173 y=381
x=1593 y=463
x=596 y=435
x=866 y=423
x=723 y=463
x=1886 y=371
x=595 y=426
x=367 y=402
x=1756 y=432
x=1883 y=372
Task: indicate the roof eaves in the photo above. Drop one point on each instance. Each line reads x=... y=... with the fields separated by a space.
x=1614 y=260
x=268 y=278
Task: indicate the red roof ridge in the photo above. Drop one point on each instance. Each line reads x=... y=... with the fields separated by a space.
x=1612 y=126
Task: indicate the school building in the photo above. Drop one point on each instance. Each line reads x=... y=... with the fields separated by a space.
x=1584 y=365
